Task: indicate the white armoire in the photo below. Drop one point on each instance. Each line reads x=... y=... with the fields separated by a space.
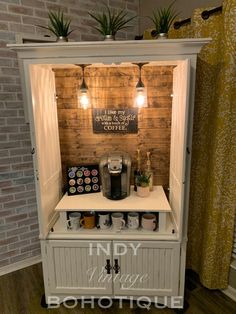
x=69 y=258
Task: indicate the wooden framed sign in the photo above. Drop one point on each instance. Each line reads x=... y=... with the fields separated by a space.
x=115 y=120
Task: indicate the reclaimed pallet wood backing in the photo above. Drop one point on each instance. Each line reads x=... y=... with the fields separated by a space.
x=114 y=87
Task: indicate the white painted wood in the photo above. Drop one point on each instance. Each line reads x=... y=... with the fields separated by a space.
x=21 y=39
x=60 y=232
x=157 y=202
x=193 y=61
x=65 y=253
x=118 y=50
x=158 y=260
x=61 y=223
x=71 y=265
x=20 y=265
x=230 y=292
x=183 y=248
x=47 y=150
x=179 y=125
x=44 y=253
x=162 y=222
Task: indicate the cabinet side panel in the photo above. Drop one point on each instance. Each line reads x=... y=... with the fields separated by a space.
x=178 y=139
x=47 y=151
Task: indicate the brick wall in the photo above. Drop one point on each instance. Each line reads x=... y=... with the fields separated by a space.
x=18 y=213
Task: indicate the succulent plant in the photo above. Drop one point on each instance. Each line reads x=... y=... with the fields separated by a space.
x=143 y=180
x=163 y=18
x=57 y=24
x=110 y=22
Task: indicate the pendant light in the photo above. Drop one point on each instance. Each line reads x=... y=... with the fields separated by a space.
x=140 y=99
x=83 y=94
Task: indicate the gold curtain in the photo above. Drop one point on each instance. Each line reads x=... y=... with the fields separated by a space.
x=213 y=172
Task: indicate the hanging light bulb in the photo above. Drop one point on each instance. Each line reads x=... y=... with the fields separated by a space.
x=84 y=99
x=83 y=95
x=140 y=100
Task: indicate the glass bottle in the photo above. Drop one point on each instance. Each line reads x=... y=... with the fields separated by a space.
x=137 y=171
x=149 y=172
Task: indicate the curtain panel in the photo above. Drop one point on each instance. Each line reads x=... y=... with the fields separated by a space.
x=213 y=170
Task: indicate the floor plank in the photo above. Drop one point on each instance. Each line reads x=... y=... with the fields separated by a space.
x=21 y=291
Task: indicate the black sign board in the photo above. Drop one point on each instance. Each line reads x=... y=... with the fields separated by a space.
x=115 y=120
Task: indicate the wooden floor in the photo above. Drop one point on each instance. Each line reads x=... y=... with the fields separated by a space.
x=21 y=291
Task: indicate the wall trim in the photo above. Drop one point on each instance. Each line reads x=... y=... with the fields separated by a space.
x=19 y=265
x=230 y=292
x=233 y=263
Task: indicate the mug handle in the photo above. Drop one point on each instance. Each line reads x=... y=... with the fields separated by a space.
x=82 y=222
x=123 y=223
x=136 y=223
x=155 y=222
x=68 y=224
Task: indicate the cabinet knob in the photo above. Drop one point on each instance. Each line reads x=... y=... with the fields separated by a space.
x=116 y=267
x=108 y=266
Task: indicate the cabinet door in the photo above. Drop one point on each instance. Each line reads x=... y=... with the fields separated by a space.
x=77 y=267
x=150 y=270
x=45 y=138
x=178 y=148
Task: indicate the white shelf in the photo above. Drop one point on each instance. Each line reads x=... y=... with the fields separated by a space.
x=60 y=232
x=156 y=202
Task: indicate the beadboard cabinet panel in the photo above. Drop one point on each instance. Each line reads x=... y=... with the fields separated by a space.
x=79 y=267
x=153 y=270
x=147 y=268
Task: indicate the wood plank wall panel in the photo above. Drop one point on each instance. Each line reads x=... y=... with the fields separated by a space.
x=114 y=87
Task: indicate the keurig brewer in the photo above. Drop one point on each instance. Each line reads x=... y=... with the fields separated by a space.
x=115 y=171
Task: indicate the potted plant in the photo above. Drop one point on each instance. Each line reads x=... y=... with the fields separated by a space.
x=58 y=25
x=143 y=185
x=110 y=22
x=163 y=19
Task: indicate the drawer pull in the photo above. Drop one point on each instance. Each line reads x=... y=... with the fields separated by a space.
x=108 y=267
x=116 y=267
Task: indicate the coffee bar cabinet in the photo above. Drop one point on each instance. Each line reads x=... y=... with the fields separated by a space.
x=103 y=262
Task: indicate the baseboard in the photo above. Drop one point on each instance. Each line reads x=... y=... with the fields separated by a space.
x=230 y=292
x=19 y=265
x=233 y=264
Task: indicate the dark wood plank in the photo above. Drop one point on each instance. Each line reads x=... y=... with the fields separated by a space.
x=21 y=293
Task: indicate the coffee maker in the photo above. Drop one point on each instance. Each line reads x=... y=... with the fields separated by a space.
x=115 y=171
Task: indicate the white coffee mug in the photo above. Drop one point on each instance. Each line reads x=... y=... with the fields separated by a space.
x=118 y=222
x=133 y=220
x=103 y=220
x=149 y=222
x=73 y=223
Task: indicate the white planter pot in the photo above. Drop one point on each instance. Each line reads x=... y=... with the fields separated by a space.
x=143 y=191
